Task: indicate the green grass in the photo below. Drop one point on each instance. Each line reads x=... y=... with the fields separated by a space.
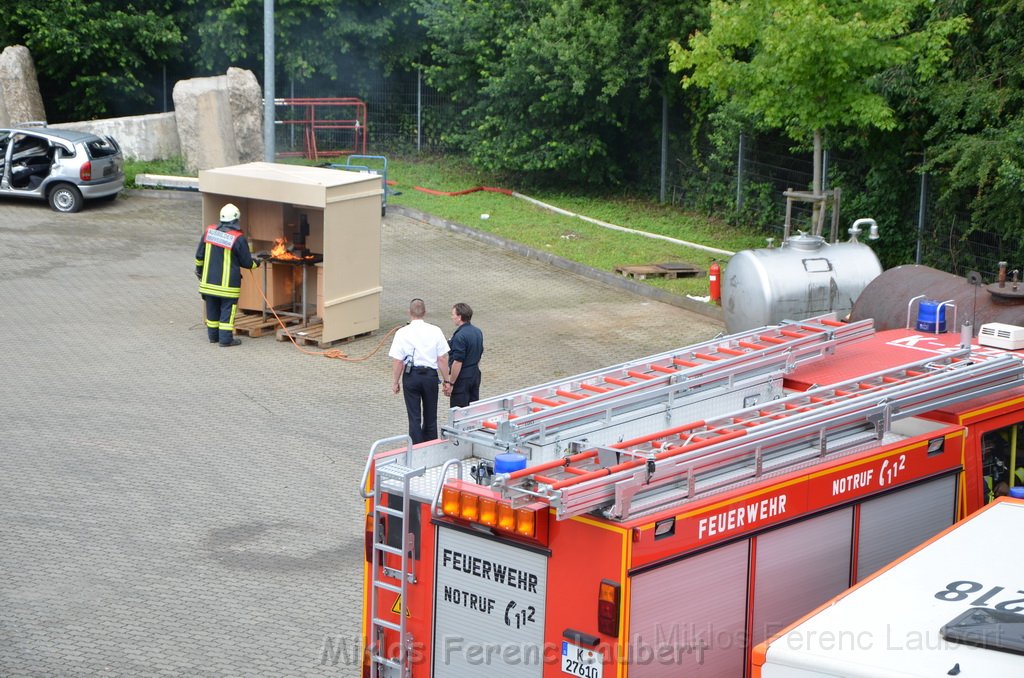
x=174 y=167
x=565 y=236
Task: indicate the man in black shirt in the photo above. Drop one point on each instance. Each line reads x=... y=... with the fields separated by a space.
x=467 y=347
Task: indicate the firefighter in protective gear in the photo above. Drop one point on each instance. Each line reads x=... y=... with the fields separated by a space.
x=996 y=463
x=222 y=254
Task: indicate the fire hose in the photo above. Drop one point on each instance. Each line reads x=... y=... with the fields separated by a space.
x=330 y=353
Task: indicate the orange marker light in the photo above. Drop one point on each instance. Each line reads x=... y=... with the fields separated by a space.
x=506 y=518
x=450 y=502
x=488 y=512
x=470 y=506
x=525 y=523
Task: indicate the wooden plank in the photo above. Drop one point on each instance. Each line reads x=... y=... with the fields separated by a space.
x=669 y=271
x=255 y=325
x=313 y=335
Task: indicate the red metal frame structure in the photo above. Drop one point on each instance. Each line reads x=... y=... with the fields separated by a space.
x=319 y=114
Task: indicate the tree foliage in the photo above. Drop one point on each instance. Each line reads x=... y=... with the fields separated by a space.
x=319 y=39
x=91 y=53
x=551 y=87
x=807 y=65
x=977 y=135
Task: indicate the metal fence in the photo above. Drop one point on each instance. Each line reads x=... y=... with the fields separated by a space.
x=746 y=183
x=403 y=113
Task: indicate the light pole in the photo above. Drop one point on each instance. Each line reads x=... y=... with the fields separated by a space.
x=268 y=80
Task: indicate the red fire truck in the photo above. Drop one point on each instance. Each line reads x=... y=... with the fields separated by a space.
x=663 y=516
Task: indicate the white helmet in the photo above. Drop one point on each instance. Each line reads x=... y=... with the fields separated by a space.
x=229 y=213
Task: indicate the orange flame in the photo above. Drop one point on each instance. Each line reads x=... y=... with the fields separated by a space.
x=280 y=250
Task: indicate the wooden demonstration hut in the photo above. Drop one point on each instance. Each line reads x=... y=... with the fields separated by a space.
x=336 y=213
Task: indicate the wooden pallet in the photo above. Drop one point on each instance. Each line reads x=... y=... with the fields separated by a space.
x=255 y=325
x=314 y=334
x=669 y=270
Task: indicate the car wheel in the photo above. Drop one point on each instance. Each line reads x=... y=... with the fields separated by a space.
x=65 y=198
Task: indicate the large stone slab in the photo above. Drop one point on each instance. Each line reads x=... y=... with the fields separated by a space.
x=141 y=137
x=20 y=100
x=246 y=99
x=219 y=120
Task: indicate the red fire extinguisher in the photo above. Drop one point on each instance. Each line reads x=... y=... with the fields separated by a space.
x=715 y=282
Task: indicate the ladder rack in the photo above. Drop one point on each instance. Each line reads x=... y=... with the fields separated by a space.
x=707 y=455
x=542 y=413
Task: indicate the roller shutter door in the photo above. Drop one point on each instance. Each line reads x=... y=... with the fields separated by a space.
x=895 y=523
x=687 y=618
x=798 y=568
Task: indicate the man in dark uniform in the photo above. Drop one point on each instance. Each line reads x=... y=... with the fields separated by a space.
x=467 y=347
x=223 y=251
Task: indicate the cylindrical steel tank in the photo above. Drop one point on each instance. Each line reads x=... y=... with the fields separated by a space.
x=890 y=296
x=803 y=278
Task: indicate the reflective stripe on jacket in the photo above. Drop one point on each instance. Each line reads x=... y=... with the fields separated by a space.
x=220 y=256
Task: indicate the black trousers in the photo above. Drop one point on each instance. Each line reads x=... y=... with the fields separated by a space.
x=466 y=389
x=420 y=390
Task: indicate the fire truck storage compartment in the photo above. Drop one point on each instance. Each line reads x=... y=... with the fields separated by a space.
x=488 y=601
x=949 y=608
x=694 y=610
x=329 y=213
x=804 y=277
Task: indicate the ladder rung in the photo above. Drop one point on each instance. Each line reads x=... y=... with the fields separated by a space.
x=387 y=661
x=386 y=586
x=387 y=510
x=387 y=549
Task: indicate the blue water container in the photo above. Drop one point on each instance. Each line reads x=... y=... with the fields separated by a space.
x=1017 y=492
x=929 y=314
x=509 y=462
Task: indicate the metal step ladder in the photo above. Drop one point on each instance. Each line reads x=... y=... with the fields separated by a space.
x=391 y=477
x=709 y=455
x=543 y=412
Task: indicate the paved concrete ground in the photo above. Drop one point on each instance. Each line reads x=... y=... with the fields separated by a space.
x=168 y=507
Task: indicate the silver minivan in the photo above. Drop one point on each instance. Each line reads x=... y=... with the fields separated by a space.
x=65 y=167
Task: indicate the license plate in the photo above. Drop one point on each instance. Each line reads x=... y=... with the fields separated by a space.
x=579 y=661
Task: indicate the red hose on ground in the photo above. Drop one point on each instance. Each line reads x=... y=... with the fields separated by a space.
x=491 y=189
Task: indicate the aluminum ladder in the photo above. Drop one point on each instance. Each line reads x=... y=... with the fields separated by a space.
x=540 y=413
x=384 y=579
x=710 y=455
